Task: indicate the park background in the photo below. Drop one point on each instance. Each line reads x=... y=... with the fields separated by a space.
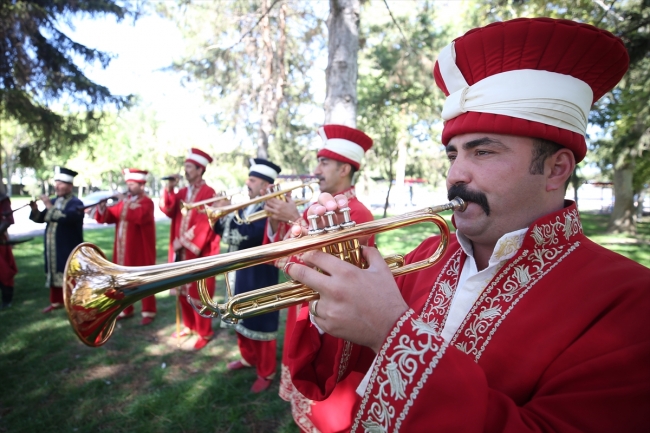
x=241 y=79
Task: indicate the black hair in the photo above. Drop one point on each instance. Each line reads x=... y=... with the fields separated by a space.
x=542 y=150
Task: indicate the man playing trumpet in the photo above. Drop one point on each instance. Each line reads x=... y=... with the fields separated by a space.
x=190 y=237
x=525 y=325
x=135 y=233
x=63 y=217
x=256 y=336
x=339 y=159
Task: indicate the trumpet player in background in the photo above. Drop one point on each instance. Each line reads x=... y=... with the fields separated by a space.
x=524 y=325
x=63 y=231
x=8 y=268
x=339 y=159
x=190 y=237
x=256 y=336
x=135 y=233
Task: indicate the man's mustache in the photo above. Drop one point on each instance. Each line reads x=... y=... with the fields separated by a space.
x=468 y=195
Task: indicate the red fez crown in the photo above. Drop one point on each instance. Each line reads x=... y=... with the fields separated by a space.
x=135 y=175
x=344 y=144
x=557 y=62
x=199 y=157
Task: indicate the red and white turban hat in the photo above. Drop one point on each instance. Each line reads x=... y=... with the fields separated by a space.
x=198 y=157
x=344 y=144
x=529 y=77
x=135 y=175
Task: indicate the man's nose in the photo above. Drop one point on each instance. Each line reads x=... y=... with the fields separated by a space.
x=459 y=172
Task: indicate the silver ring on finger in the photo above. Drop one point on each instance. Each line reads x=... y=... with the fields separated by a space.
x=312 y=308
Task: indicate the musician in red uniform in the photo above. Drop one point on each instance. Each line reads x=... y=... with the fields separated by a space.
x=525 y=325
x=191 y=237
x=338 y=160
x=8 y=268
x=135 y=233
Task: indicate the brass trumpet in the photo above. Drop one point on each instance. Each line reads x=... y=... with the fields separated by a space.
x=96 y=290
x=221 y=196
x=214 y=213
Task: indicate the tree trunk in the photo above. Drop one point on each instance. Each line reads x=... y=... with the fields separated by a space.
x=623 y=218
x=576 y=181
x=400 y=173
x=273 y=76
x=390 y=186
x=341 y=72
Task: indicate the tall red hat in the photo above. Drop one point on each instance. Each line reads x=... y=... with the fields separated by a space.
x=198 y=157
x=135 y=175
x=344 y=144
x=529 y=77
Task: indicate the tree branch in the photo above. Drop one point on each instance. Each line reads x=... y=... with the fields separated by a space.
x=398 y=26
x=211 y=47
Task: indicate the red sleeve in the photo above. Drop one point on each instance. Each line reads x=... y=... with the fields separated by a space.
x=140 y=212
x=318 y=362
x=110 y=214
x=169 y=202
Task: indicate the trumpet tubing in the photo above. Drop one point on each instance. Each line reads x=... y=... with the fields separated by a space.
x=215 y=213
x=96 y=290
x=186 y=207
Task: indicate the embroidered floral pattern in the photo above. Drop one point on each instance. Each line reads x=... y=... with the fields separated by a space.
x=407 y=359
x=437 y=305
x=390 y=385
x=512 y=282
x=508 y=246
x=345 y=359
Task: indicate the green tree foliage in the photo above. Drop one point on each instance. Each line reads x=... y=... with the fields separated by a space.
x=42 y=87
x=399 y=104
x=252 y=58
x=621 y=150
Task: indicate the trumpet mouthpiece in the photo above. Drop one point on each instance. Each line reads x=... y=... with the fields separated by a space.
x=461 y=204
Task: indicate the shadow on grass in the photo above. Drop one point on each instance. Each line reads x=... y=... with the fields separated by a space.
x=139 y=381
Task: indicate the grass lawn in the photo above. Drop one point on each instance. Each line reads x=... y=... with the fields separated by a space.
x=140 y=380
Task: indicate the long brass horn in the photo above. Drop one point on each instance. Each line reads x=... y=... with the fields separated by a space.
x=214 y=213
x=96 y=290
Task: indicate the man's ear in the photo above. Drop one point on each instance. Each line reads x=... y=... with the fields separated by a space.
x=559 y=167
x=345 y=169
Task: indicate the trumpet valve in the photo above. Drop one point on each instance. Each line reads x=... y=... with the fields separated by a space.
x=347 y=221
x=313 y=225
x=331 y=227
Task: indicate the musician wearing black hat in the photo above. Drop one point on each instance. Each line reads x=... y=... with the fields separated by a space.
x=256 y=335
x=8 y=267
x=63 y=232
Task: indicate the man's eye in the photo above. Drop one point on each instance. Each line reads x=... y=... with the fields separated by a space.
x=451 y=156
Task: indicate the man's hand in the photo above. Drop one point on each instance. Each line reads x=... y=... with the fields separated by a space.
x=46 y=201
x=176 y=245
x=359 y=305
x=326 y=202
x=172 y=182
x=281 y=210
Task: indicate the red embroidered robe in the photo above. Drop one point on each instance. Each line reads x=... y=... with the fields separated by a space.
x=135 y=231
x=336 y=413
x=192 y=229
x=559 y=340
x=8 y=268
